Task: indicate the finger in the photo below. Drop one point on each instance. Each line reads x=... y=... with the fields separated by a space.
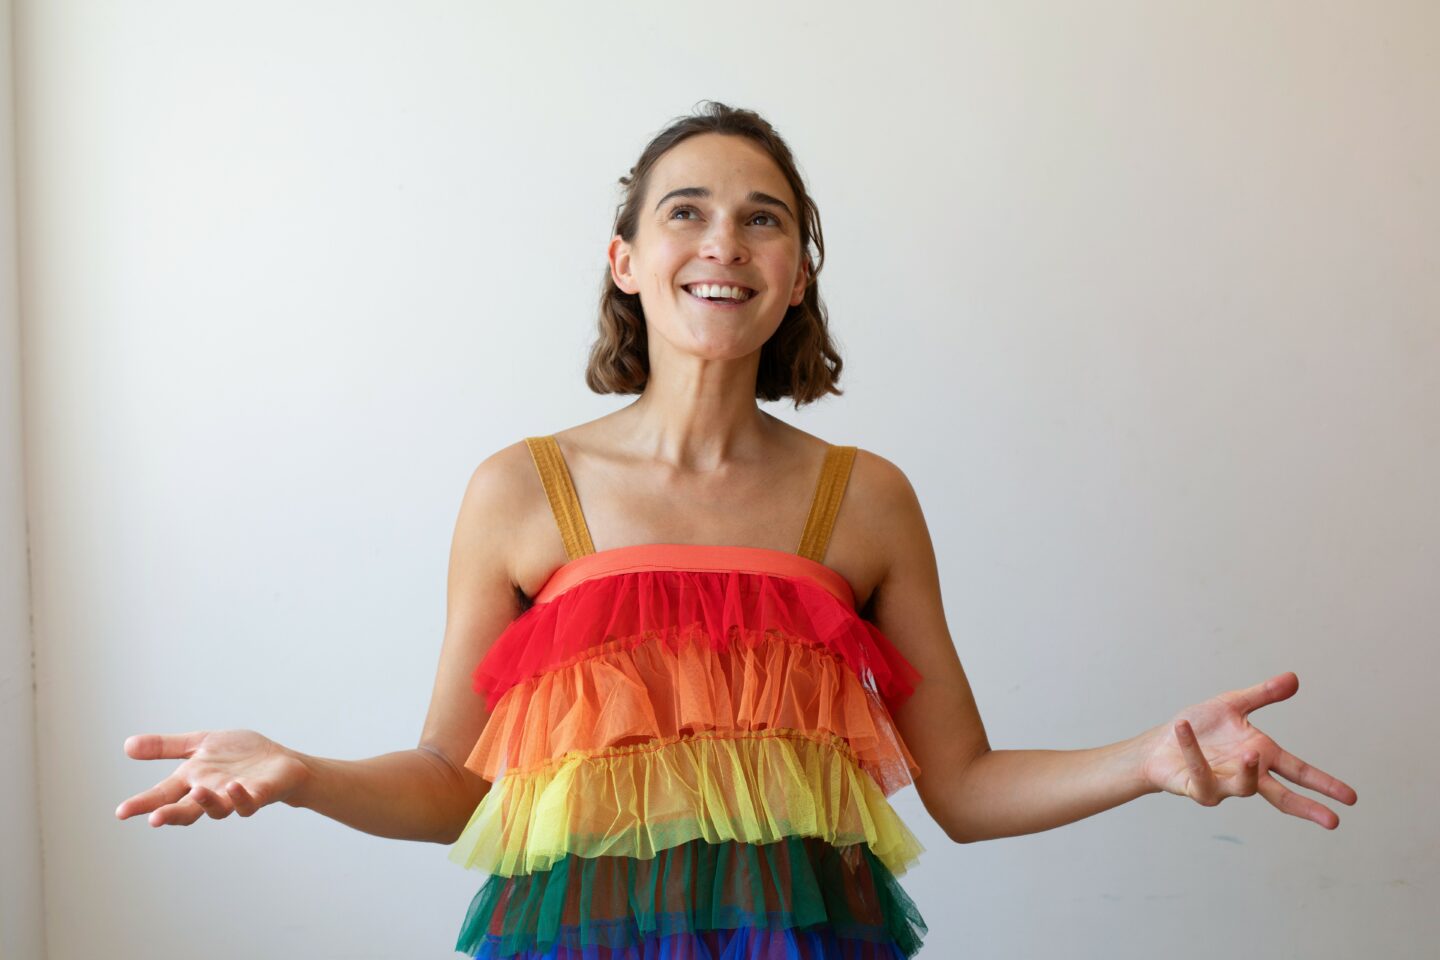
x=1284 y=799
x=163 y=746
x=1282 y=686
x=180 y=814
x=166 y=791
x=1202 y=788
x=243 y=799
x=1248 y=782
x=1295 y=770
x=214 y=805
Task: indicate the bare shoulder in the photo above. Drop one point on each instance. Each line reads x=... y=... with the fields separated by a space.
x=503 y=480
x=880 y=481
x=887 y=517
x=878 y=525
x=892 y=514
x=501 y=499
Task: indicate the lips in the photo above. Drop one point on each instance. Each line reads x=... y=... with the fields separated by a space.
x=724 y=292
x=719 y=304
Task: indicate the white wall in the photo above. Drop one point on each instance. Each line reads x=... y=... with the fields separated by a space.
x=1143 y=297
x=21 y=885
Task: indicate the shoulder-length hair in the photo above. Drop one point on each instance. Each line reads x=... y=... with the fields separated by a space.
x=799 y=360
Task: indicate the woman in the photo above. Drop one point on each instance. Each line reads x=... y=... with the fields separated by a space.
x=711 y=302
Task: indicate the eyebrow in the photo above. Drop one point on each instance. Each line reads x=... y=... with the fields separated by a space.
x=755 y=196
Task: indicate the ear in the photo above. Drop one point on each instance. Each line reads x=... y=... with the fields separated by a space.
x=802 y=280
x=619 y=255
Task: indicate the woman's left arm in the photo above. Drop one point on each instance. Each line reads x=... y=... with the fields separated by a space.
x=1207 y=752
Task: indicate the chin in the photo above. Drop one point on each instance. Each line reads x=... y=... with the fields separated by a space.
x=717 y=343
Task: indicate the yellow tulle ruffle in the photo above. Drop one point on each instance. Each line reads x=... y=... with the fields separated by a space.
x=753 y=787
x=634 y=690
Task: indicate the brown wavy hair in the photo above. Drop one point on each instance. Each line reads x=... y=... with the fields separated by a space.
x=799 y=360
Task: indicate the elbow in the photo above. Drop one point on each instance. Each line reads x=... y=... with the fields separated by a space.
x=946 y=816
x=463 y=812
x=454 y=797
x=954 y=807
x=473 y=792
x=955 y=831
x=962 y=829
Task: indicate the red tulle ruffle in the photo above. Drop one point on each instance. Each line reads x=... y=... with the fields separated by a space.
x=675 y=607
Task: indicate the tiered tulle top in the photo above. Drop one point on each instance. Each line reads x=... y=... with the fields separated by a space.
x=691 y=749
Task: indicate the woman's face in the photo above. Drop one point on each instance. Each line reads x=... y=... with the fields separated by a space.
x=717 y=209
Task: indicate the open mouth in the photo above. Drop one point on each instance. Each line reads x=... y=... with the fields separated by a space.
x=718 y=294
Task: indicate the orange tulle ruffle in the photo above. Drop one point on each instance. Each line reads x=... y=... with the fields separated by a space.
x=637 y=689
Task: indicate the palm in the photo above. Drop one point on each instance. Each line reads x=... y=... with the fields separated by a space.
x=224 y=772
x=1211 y=751
x=1225 y=736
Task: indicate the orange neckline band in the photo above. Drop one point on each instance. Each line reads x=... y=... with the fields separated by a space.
x=694 y=556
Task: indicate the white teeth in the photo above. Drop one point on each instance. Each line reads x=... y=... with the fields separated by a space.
x=715 y=290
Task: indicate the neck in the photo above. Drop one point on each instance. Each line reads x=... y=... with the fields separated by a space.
x=699 y=416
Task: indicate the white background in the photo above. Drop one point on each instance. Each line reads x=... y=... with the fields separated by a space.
x=1143 y=297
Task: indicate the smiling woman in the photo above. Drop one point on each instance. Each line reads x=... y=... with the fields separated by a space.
x=684 y=744
x=721 y=177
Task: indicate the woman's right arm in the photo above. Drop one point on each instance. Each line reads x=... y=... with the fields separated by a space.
x=424 y=793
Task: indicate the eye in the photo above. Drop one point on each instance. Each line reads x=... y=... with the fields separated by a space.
x=774 y=220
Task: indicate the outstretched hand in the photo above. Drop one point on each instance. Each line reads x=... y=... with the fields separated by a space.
x=1210 y=751
x=225 y=771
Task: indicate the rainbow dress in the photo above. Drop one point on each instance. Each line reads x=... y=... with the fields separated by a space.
x=691 y=751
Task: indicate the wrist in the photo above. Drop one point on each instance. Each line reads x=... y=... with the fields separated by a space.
x=1136 y=756
x=303 y=796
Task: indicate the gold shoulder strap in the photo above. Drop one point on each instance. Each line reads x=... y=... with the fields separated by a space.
x=828 y=493
x=561 y=493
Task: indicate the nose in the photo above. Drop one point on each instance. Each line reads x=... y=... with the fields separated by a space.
x=722 y=242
